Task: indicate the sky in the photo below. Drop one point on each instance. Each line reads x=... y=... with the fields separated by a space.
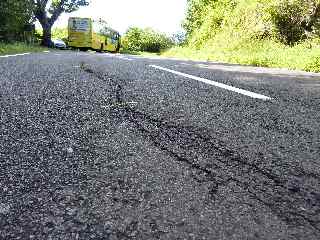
x=162 y=15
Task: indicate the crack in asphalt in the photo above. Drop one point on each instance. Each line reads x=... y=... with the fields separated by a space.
x=292 y=195
x=224 y=166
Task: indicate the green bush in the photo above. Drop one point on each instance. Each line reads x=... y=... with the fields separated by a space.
x=289 y=21
x=270 y=33
x=313 y=65
x=137 y=39
x=295 y=20
x=14 y=15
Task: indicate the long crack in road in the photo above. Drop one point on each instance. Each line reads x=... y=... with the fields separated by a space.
x=293 y=195
x=82 y=159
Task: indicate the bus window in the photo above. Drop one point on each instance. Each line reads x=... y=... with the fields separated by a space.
x=97 y=28
x=80 y=25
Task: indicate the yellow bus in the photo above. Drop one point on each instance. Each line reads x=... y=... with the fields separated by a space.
x=85 y=34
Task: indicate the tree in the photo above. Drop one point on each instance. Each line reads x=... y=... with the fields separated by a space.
x=14 y=15
x=196 y=10
x=296 y=20
x=47 y=12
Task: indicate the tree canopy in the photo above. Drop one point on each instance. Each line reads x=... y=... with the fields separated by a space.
x=14 y=15
x=47 y=12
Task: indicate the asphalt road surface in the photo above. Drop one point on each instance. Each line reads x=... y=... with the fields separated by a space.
x=102 y=146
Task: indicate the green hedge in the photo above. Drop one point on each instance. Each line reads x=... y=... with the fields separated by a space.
x=272 y=33
x=148 y=40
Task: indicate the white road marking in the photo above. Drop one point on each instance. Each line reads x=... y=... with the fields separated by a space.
x=108 y=54
x=125 y=58
x=217 y=84
x=46 y=51
x=14 y=55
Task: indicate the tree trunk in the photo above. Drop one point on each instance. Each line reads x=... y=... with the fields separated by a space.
x=46 y=39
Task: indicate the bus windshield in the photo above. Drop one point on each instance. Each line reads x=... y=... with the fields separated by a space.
x=80 y=24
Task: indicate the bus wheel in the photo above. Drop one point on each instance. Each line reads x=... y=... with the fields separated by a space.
x=101 y=48
x=118 y=48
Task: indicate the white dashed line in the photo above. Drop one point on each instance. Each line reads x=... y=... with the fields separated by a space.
x=220 y=85
x=14 y=55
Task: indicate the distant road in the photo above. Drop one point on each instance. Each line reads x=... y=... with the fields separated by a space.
x=103 y=146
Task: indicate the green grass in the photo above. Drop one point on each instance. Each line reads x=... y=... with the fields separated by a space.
x=248 y=32
x=126 y=51
x=267 y=53
x=14 y=48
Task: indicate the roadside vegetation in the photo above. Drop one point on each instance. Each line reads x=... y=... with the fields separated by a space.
x=14 y=15
x=272 y=33
x=59 y=33
x=56 y=33
x=17 y=18
x=137 y=40
x=13 y=48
